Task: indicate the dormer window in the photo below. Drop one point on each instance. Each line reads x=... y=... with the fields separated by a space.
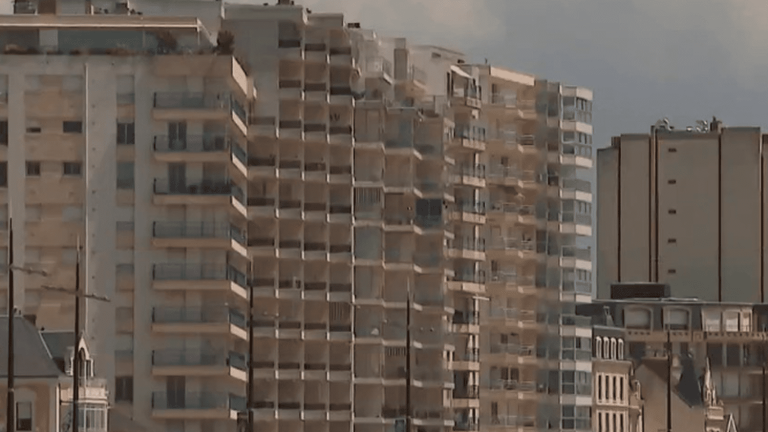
x=620 y=350
x=613 y=348
x=606 y=348
x=598 y=347
x=637 y=318
x=676 y=319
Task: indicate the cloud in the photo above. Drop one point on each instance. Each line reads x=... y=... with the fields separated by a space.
x=456 y=23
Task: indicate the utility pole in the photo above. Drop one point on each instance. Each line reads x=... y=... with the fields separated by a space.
x=408 y=376
x=764 y=430
x=249 y=393
x=76 y=358
x=10 y=397
x=669 y=382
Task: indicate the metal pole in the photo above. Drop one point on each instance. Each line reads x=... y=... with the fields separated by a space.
x=408 y=360
x=10 y=397
x=250 y=347
x=76 y=357
x=669 y=382
x=764 y=430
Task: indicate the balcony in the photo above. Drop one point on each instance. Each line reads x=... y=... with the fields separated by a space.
x=467 y=392
x=262 y=126
x=468 y=281
x=467 y=248
x=205 y=235
x=576 y=154
x=471 y=175
x=199 y=363
x=207 y=320
x=197 y=406
x=200 y=148
x=577 y=257
x=191 y=106
x=577 y=189
x=378 y=68
x=199 y=277
x=207 y=192
x=465 y=425
x=470 y=137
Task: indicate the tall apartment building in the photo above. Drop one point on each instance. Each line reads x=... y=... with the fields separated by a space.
x=140 y=158
x=684 y=207
x=381 y=201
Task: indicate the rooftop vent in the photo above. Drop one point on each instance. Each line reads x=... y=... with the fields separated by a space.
x=353 y=25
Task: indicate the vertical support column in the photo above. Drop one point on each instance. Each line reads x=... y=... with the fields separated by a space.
x=100 y=208
x=17 y=177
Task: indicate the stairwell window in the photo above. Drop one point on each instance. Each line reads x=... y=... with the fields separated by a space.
x=73 y=169
x=72 y=127
x=33 y=169
x=672 y=181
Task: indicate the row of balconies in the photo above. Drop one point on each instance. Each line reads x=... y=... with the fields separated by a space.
x=200 y=106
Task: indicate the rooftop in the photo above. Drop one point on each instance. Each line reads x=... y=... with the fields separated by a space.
x=31 y=355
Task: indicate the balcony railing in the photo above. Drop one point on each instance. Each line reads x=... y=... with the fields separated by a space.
x=472 y=244
x=581 y=287
x=577 y=252
x=206 y=187
x=471 y=170
x=197 y=401
x=475 y=207
x=577 y=185
x=194 y=144
x=183 y=100
x=417 y=75
x=190 y=272
x=429 y=221
x=466 y=317
x=467 y=425
x=209 y=315
x=378 y=65
x=468 y=392
x=198 y=358
x=471 y=132
x=198 y=230
x=576 y=149
x=470 y=276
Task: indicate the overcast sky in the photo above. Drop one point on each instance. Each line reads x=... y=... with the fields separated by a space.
x=644 y=59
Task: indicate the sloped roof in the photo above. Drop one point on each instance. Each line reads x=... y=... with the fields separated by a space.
x=688 y=389
x=31 y=356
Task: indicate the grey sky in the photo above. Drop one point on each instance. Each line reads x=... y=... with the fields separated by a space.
x=645 y=59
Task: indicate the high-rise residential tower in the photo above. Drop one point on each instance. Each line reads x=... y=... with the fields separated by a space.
x=410 y=226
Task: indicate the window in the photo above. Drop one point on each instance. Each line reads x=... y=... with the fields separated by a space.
x=598 y=346
x=676 y=319
x=637 y=318
x=72 y=127
x=672 y=211
x=672 y=181
x=124 y=389
x=606 y=348
x=73 y=168
x=33 y=169
x=125 y=179
x=621 y=423
x=599 y=387
x=620 y=350
x=3 y=132
x=3 y=174
x=671 y=241
x=613 y=389
x=613 y=348
x=600 y=422
x=621 y=388
x=126 y=134
x=671 y=271
x=672 y=150
x=24 y=416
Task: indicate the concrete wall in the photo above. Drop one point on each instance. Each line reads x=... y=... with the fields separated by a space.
x=634 y=199
x=607 y=253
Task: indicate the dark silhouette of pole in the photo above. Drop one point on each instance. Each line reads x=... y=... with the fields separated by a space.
x=249 y=393
x=669 y=382
x=408 y=361
x=10 y=397
x=764 y=430
x=76 y=357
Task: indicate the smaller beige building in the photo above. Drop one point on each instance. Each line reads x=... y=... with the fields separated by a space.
x=43 y=381
x=617 y=402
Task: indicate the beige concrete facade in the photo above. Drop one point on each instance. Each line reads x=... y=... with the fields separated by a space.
x=660 y=192
x=351 y=183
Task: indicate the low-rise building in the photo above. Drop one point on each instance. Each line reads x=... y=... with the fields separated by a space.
x=720 y=344
x=43 y=381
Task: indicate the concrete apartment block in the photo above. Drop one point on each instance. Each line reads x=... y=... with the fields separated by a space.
x=365 y=191
x=684 y=207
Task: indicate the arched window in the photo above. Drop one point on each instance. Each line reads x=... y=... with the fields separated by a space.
x=613 y=349
x=598 y=347
x=606 y=348
x=620 y=350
